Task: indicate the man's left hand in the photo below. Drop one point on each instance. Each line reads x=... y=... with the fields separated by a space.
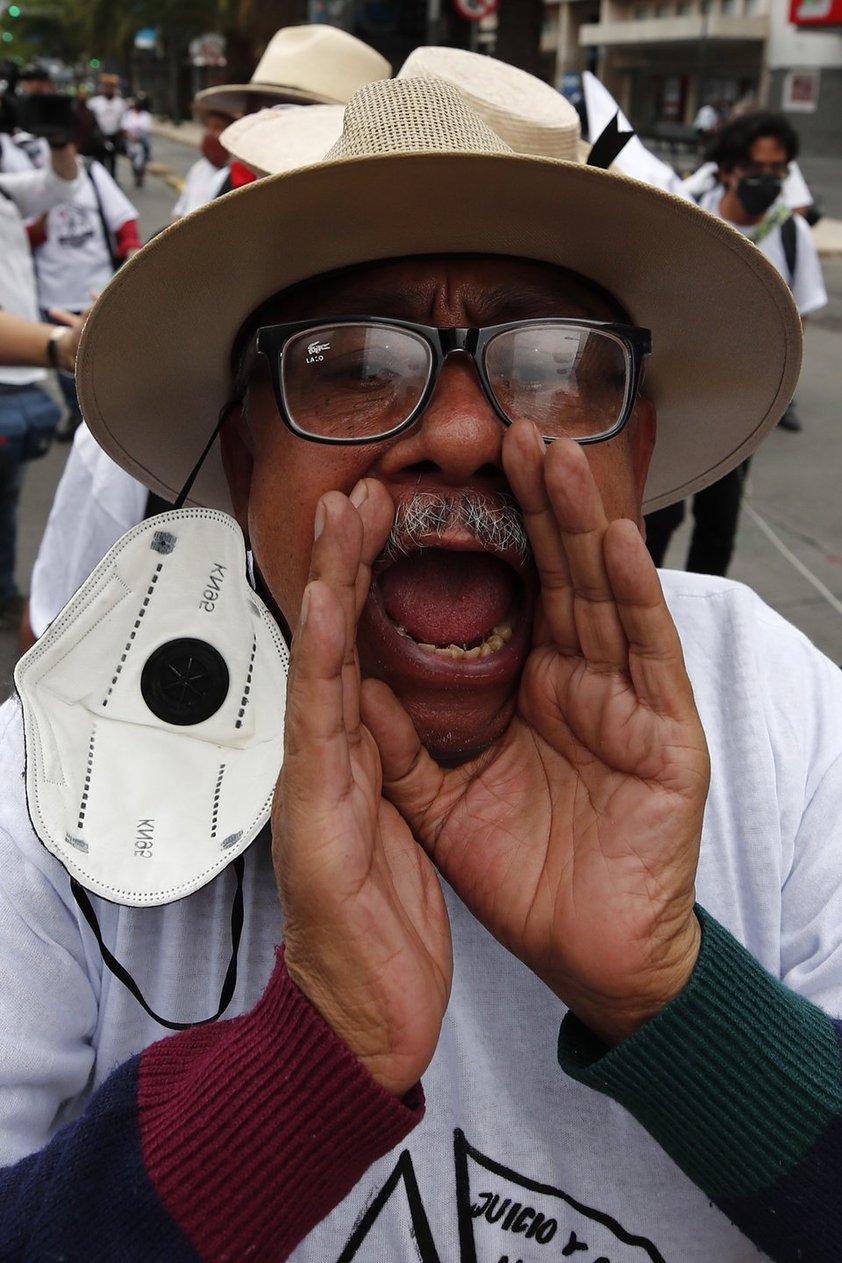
x=575 y=837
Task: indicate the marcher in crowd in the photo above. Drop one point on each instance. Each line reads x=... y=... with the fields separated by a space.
x=506 y=808
x=752 y=154
x=97 y=501
x=77 y=246
x=108 y=107
x=211 y=171
x=137 y=130
x=28 y=416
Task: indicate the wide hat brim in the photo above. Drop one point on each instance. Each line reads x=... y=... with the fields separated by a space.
x=154 y=371
x=241 y=98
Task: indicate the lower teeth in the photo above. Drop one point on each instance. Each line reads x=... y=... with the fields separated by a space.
x=493 y=642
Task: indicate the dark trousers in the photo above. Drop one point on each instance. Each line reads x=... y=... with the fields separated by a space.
x=716 y=512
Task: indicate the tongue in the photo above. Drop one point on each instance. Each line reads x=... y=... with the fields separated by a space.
x=447 y=598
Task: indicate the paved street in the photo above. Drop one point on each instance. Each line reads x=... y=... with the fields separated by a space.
x=790 y=541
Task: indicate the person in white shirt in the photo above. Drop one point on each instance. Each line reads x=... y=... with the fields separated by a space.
x=209 y=173
x=28 y=416
x=137 y=127
x=108 y=107
x=753 y=154
x=77 y=247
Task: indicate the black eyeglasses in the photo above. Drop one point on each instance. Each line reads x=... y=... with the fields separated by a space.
x=361 y=379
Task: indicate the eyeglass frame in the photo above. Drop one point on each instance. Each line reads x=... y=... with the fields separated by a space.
x=269 y=342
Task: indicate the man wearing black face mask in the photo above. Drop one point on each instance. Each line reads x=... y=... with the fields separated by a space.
x=752 y=153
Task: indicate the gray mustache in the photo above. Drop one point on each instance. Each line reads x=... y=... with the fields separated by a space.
x=495 y=522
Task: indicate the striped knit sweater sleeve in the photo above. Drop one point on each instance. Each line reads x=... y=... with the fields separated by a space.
x=740 y=1081
x=224 y=1142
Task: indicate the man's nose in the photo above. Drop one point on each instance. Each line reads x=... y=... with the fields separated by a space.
x=457 y=440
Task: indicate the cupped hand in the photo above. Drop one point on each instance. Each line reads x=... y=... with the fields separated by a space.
x=575 y=837
x=366 y=930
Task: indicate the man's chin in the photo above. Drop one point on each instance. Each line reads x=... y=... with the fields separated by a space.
x=455 y=734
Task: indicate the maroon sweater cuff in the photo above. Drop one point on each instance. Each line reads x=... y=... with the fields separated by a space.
x=255 y=1128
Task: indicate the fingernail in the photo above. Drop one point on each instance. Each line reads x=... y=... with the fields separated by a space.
x=359 y=494
x=319 y=521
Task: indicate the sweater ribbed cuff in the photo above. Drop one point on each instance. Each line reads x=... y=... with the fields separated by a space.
x=253 y=1129
x=736 y=1079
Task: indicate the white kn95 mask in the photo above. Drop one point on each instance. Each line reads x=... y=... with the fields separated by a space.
x=153 y=713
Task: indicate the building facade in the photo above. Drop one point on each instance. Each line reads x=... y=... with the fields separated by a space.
x=664 y=59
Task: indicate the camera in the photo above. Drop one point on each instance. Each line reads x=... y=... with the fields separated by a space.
x=47 y=114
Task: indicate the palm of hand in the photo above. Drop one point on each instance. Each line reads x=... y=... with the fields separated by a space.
x=564 y=837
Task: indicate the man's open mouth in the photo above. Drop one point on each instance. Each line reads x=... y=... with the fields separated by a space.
x=453 y=604
x=451 y=613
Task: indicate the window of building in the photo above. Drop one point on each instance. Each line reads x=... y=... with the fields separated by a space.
x=729 y=6
x=662 y=11
x=642 y=12
x=683 y=9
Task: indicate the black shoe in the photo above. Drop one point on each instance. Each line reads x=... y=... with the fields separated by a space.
x=789 y=421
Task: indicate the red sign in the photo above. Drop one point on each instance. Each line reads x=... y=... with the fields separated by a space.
x=473 y=10
x=819 y=13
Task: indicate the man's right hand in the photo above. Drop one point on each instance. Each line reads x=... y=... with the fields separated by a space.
x=366 y=929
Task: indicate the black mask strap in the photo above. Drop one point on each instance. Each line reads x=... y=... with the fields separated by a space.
x=194 y=472
x=607 y=145
x=122 y=974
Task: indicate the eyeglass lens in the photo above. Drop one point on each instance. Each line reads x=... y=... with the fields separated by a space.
x=353 y=381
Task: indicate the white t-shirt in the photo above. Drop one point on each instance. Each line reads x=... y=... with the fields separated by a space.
x=12 y=156
x=138 y=122
x=497 y=1103
x=27 y=194
x=95 y=503
x=109 y=113
x=74 y=261
x=202 y=184
x=807 y=282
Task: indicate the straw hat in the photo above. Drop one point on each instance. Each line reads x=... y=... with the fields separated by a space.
x=304 y=64
x=526 y=113
x=417 y=172
x=284 y=136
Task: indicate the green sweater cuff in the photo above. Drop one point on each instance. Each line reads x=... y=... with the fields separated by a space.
x=736 y=1079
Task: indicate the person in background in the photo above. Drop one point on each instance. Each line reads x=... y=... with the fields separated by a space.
x=28 y=416
x=77 y=246
x=108 y=107
x=752 y=155
x=97 y=501
x=210 y=172
x=137 y=129
x=706 y=121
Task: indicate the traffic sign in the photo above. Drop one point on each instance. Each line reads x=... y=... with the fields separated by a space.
x=474 y=10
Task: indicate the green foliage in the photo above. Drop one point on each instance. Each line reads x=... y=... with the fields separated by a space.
x=78 y=30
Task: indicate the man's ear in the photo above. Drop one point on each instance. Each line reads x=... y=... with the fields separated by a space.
x=238 y=463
